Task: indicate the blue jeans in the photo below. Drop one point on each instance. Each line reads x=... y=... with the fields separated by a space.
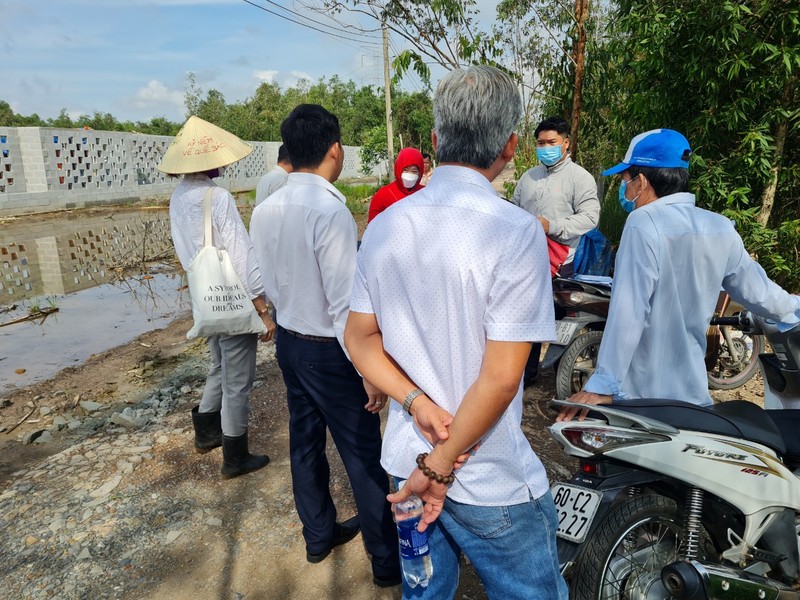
x=513 y=550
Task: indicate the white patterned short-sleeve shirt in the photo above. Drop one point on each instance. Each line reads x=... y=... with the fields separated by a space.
x=443 y=271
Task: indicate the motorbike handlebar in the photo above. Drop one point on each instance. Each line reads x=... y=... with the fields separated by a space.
x=740 y=320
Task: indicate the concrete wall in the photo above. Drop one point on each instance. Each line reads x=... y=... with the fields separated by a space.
x=44 y=169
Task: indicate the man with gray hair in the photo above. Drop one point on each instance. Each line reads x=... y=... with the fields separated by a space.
x=452 y=285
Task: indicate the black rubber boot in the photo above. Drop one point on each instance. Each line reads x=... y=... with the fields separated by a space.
x=237 y=460
x=207 y=430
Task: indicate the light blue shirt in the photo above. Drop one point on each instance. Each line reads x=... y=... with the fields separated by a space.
x=672 y=260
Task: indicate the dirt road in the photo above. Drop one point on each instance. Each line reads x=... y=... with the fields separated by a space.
x=111 y=501
x=103 y=496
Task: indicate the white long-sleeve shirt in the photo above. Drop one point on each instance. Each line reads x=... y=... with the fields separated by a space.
x=307 y=236
x=672 y=260
x=227 y=229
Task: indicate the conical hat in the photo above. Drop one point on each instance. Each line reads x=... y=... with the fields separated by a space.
x=201 y=146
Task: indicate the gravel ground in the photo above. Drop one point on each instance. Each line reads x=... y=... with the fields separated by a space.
x=103 y=496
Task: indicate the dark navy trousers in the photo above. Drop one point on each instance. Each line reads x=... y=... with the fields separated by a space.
x=325 y=391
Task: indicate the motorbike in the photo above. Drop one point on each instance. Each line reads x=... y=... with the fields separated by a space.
x=581 y=313
x=675 y=500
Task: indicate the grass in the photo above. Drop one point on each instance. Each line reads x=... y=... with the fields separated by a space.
x=357 y=196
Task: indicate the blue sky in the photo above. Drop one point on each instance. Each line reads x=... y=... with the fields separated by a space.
x=130 y=58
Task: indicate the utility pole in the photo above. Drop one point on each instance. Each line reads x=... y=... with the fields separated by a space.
x=388 y=93
x=578 y=57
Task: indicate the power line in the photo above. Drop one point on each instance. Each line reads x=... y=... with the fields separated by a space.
x=336 y=35
x=410 y=74
x=337 y=28
x=345 y=25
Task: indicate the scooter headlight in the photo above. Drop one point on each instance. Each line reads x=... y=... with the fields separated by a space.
x=575 y=298
x=598 y=440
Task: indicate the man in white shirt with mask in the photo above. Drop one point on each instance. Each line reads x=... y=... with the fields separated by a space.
x=562 y=195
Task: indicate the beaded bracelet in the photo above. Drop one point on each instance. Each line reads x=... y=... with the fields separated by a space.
x=437 y=477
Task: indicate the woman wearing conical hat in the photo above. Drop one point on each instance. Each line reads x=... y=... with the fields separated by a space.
x=200 y=152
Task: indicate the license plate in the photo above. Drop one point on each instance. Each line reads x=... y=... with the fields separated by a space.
x=564 y=332
x=576 y=508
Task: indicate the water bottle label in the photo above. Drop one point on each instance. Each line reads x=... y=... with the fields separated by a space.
x=413 y=544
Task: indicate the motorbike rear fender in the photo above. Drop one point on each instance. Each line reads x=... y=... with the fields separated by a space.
x=613 y=485
x=556 y=351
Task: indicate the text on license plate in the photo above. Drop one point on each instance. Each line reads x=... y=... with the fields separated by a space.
x=564 y=331
x=576 y=507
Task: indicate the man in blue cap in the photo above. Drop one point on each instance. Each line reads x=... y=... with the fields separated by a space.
x=672 y=260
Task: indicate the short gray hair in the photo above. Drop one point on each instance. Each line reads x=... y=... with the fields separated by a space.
x=475 y=111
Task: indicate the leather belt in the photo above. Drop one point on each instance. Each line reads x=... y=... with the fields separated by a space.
x=309 y=338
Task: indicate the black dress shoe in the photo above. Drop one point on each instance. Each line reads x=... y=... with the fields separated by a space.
x=342 y=533
x=386 y=581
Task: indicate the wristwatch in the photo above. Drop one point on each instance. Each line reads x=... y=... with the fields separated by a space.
x=410 y=398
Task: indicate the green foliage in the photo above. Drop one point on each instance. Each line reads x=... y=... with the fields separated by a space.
x=777 y=250
x=374 y=149
x=732 y=94
x=98 y=121
x=724 y=73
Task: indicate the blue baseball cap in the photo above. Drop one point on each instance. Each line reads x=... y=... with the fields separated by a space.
x=656 y=148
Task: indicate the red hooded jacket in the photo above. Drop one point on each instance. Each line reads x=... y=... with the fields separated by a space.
x=392 y=192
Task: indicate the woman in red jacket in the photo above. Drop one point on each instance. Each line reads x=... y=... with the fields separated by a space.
x=407 y=171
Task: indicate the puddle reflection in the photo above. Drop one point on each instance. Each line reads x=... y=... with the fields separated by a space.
x=99 y=271
x=87 y=322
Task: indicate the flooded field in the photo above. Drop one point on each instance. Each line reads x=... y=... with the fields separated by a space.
x=109 y=273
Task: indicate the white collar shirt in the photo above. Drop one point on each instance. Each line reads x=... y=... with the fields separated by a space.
x=445 y=270
x=672 y=260
x=228 y=232
x=305 y=239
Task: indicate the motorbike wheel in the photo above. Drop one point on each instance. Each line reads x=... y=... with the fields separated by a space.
x=728 y=374
x=577 y=364
x=622 y=559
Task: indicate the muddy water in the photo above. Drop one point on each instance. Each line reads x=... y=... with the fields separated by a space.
x=110 y=274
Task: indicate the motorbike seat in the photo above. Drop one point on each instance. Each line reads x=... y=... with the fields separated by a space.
x=788 y=423
x=736 y=418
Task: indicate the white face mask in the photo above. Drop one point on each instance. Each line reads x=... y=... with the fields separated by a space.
x=409 y=179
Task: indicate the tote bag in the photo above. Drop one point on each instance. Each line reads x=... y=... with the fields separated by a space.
x=220 y=303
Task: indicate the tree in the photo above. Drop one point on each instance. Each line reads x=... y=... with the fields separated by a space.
x=444 y=32
x=733 y=94
x=63 y=120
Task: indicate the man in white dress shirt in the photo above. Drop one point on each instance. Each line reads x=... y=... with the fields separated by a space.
x=451 y=288
x=308 y=237
x=276 y=178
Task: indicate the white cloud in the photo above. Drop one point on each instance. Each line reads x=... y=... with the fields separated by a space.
x=298 y=75
x=285 y=80
x=267 y=76
x=156 y=93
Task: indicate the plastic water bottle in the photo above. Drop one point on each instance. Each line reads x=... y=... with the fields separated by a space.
x=415 y=558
